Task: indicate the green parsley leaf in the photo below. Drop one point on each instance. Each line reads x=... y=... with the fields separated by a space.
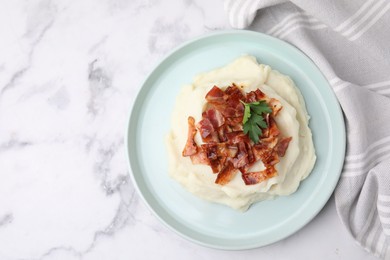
x=253 y=119
x=261 y=107
x=247 y=112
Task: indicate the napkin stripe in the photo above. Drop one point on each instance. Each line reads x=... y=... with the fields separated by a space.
x=366 y=167
x=252 y=9
x=233 y=9
x=232 y=6
x=382 y=87
x=383 y=208
x=371 y=239
x=374 y=8
x=384 y=215
x=283 y=22
x=383 y=198
x=341 y=86
x=368 y=223
x=293 y=22
x=374 y=145
x=375 y=154
x=376 y=248
x=334 y=80
x=371 y=23
x=351 y=19
x=371 y=235
x=369 y=13
x=378 y=85
x=306 y=26
x=381 y=245
x=242 y=11
x=385 y=219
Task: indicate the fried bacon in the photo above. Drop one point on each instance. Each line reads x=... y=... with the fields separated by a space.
x=200 y=158
x=226 y=174
x=251 y=178
x=215 y=96
x=191 y=148
x=225 y=148
x=275 y=105
x=215 y=117
x=205 y=128
x=282 y=146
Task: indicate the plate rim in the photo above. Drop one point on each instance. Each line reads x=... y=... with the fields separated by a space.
x=133 y=114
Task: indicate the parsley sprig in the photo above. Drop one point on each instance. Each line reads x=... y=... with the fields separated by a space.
x=253 y=120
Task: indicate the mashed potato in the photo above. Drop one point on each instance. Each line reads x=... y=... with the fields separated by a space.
x=292 y=120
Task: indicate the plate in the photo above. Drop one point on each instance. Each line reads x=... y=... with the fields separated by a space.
x=211 y=224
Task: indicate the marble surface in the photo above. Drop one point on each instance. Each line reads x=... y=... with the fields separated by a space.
x=69 y=72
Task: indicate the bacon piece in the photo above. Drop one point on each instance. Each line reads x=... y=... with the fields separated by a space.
x=211 y=151
x=227 y=150
x=218 y=150
x=272 y=131
x=259 y=94
x=213 y=138
x=205 y=127
x=267 y=155
x=273 y=128
x=238 y=127
x=190 y=148
x=275 y=105
x=258 y=150
x=251 y=97
x=226 y=174
x=233 y=100
x=217 y=154
x=251 y=178
x=222 y=134
x=236 y=137
x=207 y=131
x=215 y=96
x=265 y=131
x=242 y=157
x=251 y=157
x=215 y=117
x=200 y=158
x=234 y=121
x=272 y=159
x=270 y=142
x=226 y=110
x=282 y=146
x=229 y=105
x=223 y=131
x=234 y=93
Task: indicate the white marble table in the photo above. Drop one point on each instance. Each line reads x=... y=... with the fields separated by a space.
x=69 y=72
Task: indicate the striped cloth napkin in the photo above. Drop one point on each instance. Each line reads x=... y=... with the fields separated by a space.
x=350 y=42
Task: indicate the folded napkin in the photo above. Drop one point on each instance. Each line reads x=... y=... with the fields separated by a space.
x=350 y=42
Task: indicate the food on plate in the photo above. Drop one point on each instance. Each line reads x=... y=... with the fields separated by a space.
x=240 y=134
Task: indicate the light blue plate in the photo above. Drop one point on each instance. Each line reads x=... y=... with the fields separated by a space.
x=212 y=224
